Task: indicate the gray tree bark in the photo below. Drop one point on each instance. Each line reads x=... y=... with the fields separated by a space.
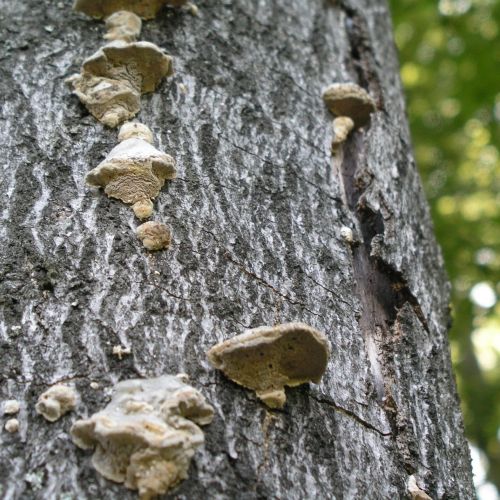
x=256 y=214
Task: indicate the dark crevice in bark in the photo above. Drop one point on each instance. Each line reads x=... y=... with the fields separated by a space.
x=166 y=290
x=383 y=291
x=361 y=59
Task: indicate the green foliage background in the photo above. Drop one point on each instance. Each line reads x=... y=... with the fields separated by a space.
x=450 y=68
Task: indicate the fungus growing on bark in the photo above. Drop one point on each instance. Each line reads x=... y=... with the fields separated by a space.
x=12 y=425
x=134 y=171
x=112 y=80
x=123 y=25
x=131 y=130
x=347 y=234
x=56 y=401
x=147 y=434
x=110 y=101
x=11 y=407
x=349 y=99
x=192 y=8
x=147 y=9
x=341 y=128
x=120 y=351
x=266 y=359
x=154 y=235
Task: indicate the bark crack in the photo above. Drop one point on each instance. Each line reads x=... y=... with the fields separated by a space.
x=208 y=185
x=266 y=425
x=229 y=45
x=294 y=172
x=162 y=288
x=227 y=254
x=263 y=282
x=349 y=413
x=282 y=126
x=329 y=290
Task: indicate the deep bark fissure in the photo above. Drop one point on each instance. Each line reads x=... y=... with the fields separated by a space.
x=361 y=58
x=382 y=290
x=382 y=293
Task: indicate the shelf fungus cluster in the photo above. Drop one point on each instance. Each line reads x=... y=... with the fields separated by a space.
x=267 y=359
x=110 y=85
x=134 y=171
x=352 y=106
x=148 y=433
x=112 y=80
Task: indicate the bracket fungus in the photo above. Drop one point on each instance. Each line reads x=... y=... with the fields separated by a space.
x=266 y=359
x=154 y=235
x=56 y=401
x=123 y=25
x=147 y=434
x=349 y=99
x=134 y=171
x=112 y=80
x=147 y=9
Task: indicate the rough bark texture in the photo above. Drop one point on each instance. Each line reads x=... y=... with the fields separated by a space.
x=256 y=214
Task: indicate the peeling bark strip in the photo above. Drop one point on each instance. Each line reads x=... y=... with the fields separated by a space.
x=260 y=237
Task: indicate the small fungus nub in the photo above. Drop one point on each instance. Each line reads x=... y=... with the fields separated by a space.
x=154 y=235
x=120 y=351
x=342 y=125
x=267 y=359
x=135 y=130
x=12 y=425
x=415 y=492
x=347 y=234
x=56 y=401
x=123 y=25
x=11 y=407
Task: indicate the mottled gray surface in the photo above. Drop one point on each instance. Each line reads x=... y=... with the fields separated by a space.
x=256 y=214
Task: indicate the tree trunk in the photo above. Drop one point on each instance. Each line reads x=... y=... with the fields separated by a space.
x=256 y=213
